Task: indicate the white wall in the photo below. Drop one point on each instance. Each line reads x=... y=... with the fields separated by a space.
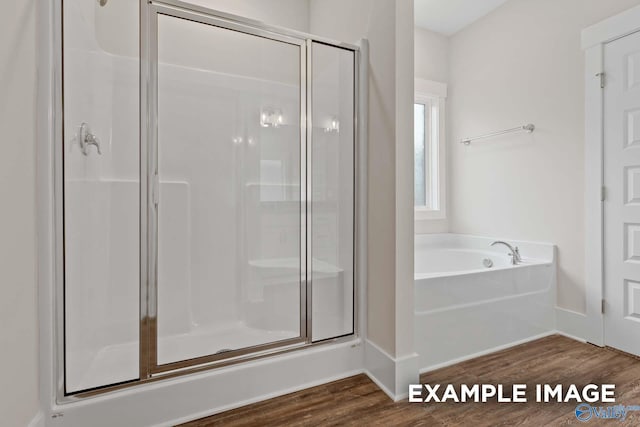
x=18 y=321
x=404 y=179
x=388 y=25
x=431 y=56
x=523 y=63
x=431 y=63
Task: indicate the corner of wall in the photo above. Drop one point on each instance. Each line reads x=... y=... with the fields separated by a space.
x=46 y=39
x=404 y=209
x=571 y=324
x=392 y=375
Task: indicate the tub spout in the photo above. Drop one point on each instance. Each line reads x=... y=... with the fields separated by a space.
x=515 y=252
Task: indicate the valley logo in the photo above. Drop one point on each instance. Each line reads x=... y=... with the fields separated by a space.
x=585 y=412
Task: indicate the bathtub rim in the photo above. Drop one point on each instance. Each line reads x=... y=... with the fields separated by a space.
x=440 y=275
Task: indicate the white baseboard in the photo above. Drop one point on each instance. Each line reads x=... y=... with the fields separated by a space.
x=406 y=373
x=571 y=324
x=380 y=367
x=582 y=340
x=392 y=375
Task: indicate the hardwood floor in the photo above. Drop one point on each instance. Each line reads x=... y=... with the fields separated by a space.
x=357 y=401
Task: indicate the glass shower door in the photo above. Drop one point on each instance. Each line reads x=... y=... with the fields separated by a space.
x=228 y=190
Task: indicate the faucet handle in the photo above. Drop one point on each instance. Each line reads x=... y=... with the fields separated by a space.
x=91 y=139
x=86 y=139
x=515 y=257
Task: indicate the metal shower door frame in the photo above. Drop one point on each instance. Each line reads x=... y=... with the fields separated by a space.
x=149 y=365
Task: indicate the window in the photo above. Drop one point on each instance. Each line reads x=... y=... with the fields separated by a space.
x=429 y=149
x=420 y=155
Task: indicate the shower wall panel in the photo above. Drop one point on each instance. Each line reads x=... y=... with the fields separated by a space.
x=101 y=204
x=229 y=142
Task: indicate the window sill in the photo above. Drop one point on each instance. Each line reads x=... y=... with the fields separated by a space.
x=428 y=214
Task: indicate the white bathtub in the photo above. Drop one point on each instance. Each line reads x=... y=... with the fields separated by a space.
x=464 y=309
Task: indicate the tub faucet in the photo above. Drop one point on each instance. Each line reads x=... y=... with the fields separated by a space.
x=515 y=253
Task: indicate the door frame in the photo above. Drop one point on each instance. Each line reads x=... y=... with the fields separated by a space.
x=150 y=180
x=594 y=40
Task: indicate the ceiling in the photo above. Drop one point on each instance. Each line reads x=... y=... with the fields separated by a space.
x=450 y=16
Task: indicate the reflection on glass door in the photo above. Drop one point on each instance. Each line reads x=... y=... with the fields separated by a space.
x=229 y=267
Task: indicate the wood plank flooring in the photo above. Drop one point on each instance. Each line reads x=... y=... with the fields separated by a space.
x=357 y=401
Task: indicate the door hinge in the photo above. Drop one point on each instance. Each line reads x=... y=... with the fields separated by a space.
x=602 y=308
x=602 y=76
x=603 y=194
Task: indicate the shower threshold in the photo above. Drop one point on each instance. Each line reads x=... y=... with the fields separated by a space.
x=111 y=364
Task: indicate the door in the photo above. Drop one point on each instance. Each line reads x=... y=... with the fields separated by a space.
x=228 y=158
x=622 y=206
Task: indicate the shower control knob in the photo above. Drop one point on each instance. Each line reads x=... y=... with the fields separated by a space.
x=87 y=139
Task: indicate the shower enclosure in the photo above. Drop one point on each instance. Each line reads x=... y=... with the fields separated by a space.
x=207 y=170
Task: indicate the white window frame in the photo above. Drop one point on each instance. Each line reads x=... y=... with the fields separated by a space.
x=433 y=95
